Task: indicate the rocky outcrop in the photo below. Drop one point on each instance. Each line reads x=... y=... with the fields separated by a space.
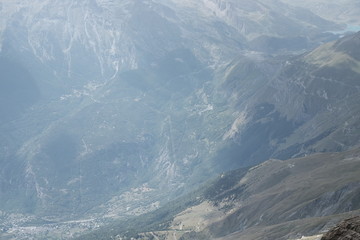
x=348 y=229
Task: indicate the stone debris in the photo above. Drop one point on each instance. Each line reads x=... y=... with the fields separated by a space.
x=348 y=229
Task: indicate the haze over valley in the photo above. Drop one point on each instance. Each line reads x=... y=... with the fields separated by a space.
x=178 y=119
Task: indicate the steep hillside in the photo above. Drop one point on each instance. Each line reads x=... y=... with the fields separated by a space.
x=309 y=105
x=270 y=26
x=342 y=11
x=348 y=229
x=106 y=95
x=274 y=200
x=111 y=109
x=127 y=92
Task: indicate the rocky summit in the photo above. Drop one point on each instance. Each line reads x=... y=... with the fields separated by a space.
x=348 y=229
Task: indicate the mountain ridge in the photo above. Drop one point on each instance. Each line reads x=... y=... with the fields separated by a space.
x=135 y=103
x=310 y=192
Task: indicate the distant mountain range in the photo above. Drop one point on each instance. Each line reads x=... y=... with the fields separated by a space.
x=110 y=110
x=278 y=199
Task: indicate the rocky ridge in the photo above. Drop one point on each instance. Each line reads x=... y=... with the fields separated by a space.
x=348 y=229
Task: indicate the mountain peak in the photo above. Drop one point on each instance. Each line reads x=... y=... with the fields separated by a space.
x=349 y=45
x=348 y=229
x=344 y=52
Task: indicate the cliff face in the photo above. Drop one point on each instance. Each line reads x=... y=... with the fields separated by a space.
x=348 y=229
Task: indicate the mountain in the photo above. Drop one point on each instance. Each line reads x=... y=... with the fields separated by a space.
x=270 y=199
x=109 y=82
x=274 y=200
x=344 y=11
x=112 y=109
x=348 y=229
x=309 y=105
x=270 y=26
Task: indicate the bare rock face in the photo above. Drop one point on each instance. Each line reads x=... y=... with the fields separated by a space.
x=348 y=229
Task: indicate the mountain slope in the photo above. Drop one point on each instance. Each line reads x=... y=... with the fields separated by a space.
x=112 y=85
x=126 y=84
x=348 y=229
x=275 y=195
x=344 y=11
x=115 y=108
x=309 y=105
